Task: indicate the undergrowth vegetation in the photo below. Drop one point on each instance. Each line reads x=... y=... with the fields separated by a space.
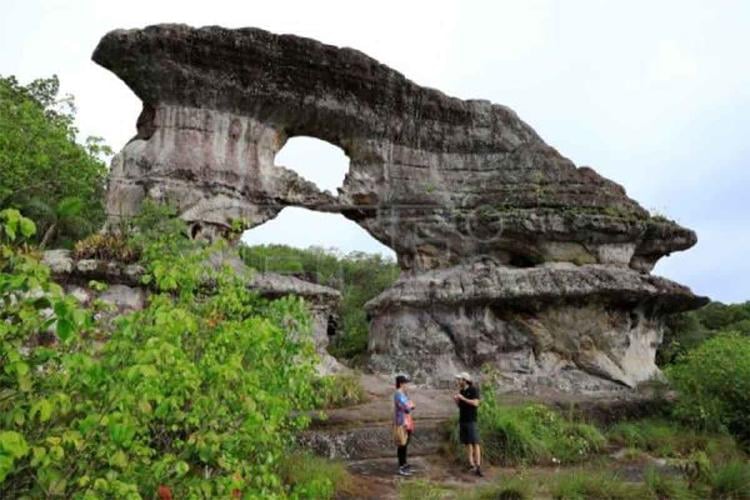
x=339 y=390
x=197 y=395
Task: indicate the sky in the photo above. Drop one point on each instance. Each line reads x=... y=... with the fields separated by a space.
x=653 y=95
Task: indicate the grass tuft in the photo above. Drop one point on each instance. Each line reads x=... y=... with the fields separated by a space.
x=580 y=485
x=339 y=391
x=309 y=476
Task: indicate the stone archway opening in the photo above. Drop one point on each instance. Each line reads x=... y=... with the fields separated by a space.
x=328 y=252
x=315 y=160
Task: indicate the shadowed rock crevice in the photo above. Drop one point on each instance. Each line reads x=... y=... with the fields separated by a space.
x=446 y=183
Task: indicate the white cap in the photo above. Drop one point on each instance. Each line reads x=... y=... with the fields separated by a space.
x=463 y=376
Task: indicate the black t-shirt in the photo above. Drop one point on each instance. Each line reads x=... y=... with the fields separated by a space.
x=467 y=412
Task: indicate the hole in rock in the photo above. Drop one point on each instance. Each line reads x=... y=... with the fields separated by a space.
x=326 y=248
x=302 y=228
x=332 y=325
x=318 y=161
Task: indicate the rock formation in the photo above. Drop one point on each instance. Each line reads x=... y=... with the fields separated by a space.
x=512 y=255
x=124 y=292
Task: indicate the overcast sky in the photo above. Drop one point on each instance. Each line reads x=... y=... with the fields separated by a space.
x=654 y=95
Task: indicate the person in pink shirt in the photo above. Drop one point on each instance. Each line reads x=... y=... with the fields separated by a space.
x=403 y=423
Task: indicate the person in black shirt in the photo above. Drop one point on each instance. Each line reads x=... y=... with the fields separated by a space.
x=468 y=400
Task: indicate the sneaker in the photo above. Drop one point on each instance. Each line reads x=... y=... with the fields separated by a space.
x=403 y=471
x=472 y=468
x=409 y=467
x=478 y=472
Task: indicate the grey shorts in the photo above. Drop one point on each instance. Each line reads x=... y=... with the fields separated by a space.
x=468 y=433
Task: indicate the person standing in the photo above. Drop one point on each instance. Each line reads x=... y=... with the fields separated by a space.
x=468 y=401
x=403 y=423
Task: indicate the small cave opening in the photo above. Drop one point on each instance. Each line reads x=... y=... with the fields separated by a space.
x=523 y=260
x=333 y=325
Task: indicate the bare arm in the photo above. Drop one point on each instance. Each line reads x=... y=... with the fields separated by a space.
x=472 y=402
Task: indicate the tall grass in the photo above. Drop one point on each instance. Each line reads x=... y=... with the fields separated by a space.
x=309 y=476
x=672 y=440
x=515 y=488
x=731 y=481
x=340 y=390
x=530 y=434
x=598 y=485
x=417 y=489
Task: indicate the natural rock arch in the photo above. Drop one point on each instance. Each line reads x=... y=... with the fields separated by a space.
x=506 y=243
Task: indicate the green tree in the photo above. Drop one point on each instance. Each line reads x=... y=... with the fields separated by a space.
x=687 y=331
x=44 y=172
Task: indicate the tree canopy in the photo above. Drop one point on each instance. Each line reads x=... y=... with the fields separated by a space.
x=44 y=172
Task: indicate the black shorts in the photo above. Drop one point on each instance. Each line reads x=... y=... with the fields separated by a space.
x=468 y=433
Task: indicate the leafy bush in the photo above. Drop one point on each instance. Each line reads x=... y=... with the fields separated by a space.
x=308 y=476
x=340 y=390
x=713 y=382
x=199 y=394
x=530 y=434
x=44 y=172
x=580 y=485
x=358 y=276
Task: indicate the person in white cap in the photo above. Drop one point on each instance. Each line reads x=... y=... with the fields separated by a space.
x=467 y=399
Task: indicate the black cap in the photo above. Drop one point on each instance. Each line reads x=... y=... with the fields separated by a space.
x=401 y=379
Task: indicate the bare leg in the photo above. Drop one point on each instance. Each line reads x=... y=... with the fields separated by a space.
x=470 y=454
x=477 y=454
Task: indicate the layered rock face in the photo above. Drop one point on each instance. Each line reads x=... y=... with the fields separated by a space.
x=459 y=189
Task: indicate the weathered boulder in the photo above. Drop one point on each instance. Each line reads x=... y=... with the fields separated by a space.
x=578 y=328
x=446 y=183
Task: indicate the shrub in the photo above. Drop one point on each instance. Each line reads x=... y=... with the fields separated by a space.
x=531 y=433
x=308 y=476
x=713 y=382
x=107 y=246
x=340 y=390
x=199 y=394
x=594 y=485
